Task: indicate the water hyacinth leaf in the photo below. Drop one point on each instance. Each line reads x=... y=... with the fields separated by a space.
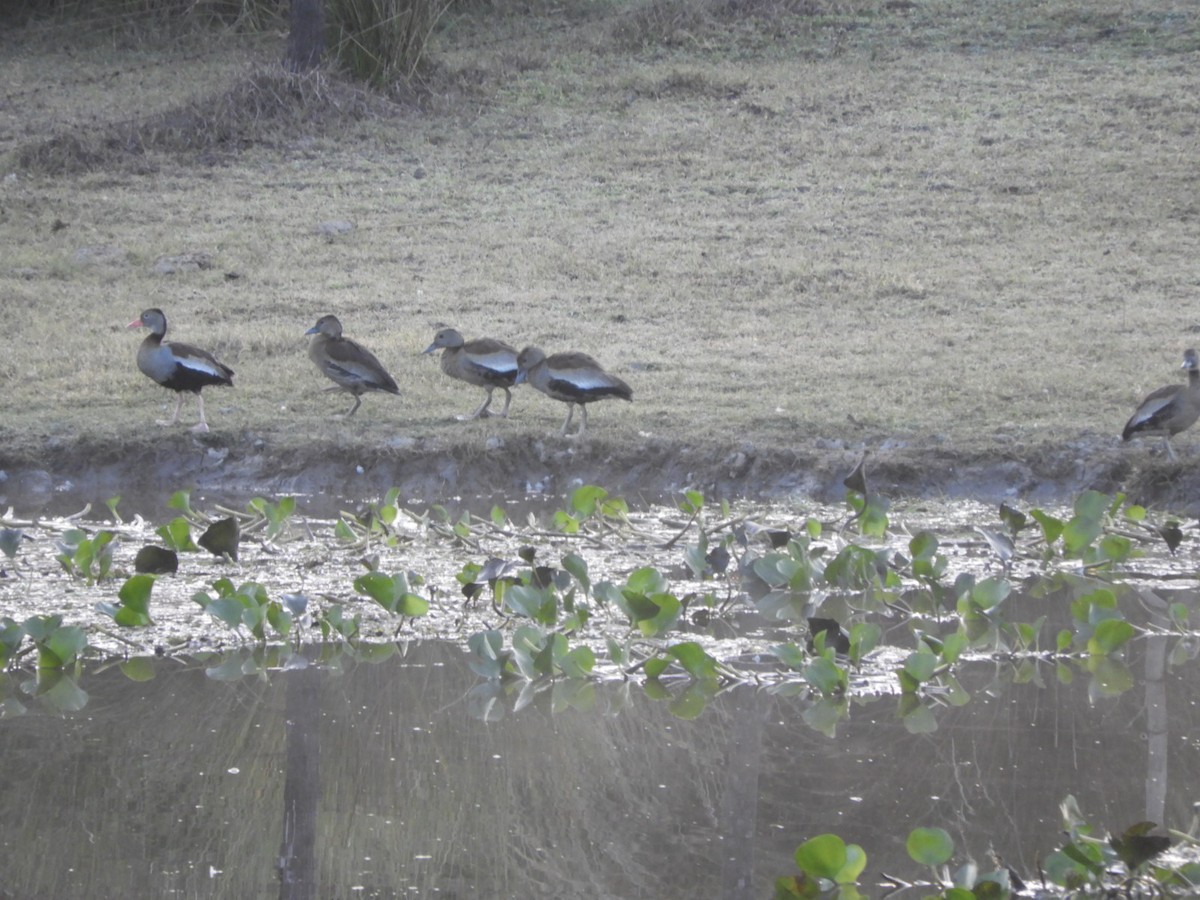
x=823 y=856
x=1116 y=547
x=343 y=532
x=10 y=541
x=540 y=605
x=692 y=502
x=577 y=566
x=1179 y=614
x=930 y=846
x=57 y=689
x=655 y=666
x=1052 y=527
x=646 y=580
x=139 y=669
x=692 y=702
x=856 y=862
x=279 y=618
x=953 y=645
x=182 y=501
x=920 y=665
x=990 y=592
x=11 y=635
x=864 y=637
x=618 y=653
x=135 y=602
x=790 y=655
x=824 y=715
x=1109 y=635
x=585 y=499
x=222 y=538
x=577 y=663
x=826 y=676
x=392 y=593
x=177 y=534
x=487 y=653
x=653 y=614
x=695 y=660
x=61 y=647
x=155 y=560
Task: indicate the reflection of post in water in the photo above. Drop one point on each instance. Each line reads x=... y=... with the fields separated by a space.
x=301 y=786
x=739 y=799
x=1156 y=729
x=1156 y=710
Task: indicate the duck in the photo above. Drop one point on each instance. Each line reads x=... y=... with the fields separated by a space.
x=574 y=378
x=181 y=368
x=1170 y=409
x=484 y=362
x=350 y=365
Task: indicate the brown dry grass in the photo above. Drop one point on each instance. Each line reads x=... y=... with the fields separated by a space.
x=954 y=221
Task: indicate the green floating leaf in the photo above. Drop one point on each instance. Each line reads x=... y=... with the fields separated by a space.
x=177 y=534
x=1109 y=635
x=695 y=660
x=930 y=846
x=823 y=856
x=10 y=541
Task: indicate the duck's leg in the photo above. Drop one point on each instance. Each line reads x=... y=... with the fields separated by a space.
x=507 y=401
x=482 y=412
x=567 y=421
x=201 y=426
x=175 y=416
x=582 y=420
x=357 y=404
x=1170 y=451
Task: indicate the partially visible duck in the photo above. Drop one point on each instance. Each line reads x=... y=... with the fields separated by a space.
x=573 y=378
x=1171 y=409
x=484 y=362
x=348 y=363
x=178 y=367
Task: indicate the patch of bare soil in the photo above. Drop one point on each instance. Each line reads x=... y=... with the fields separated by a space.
x=63 y=476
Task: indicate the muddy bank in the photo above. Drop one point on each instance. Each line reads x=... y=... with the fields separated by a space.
x=61 y=476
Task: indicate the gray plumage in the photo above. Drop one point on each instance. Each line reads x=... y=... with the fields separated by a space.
x=350 y=365
x=1171 y=409
x=484 y=362
x=574 y=378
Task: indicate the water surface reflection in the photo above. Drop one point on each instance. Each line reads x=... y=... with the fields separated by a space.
x=384 y=779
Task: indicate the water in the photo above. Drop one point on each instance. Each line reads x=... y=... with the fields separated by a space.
x=407 y=777
x=391 y=769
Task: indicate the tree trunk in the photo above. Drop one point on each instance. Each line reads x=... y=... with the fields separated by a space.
x=306 y=40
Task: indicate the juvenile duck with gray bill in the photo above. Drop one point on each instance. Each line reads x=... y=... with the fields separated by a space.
x=350 y=365
x=484 y=362
x=573 y=378
x=178 y=367
x=1171 y=409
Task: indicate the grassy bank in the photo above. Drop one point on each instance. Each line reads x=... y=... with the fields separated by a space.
x=965 y=223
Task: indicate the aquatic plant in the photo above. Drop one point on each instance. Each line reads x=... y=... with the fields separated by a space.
x=394 y=592
x=245 y=606
x=86 y=557
x=133 y=610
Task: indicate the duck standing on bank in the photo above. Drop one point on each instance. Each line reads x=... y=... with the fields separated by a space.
x=178 y=367
x=347 y=363
x=573 y=378
x=484 y=362
x=1171 y=409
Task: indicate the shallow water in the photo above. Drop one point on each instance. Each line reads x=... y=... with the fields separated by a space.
x=384 y=769
x=408 y=776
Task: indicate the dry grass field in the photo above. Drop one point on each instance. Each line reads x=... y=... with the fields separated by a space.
x=959 y=234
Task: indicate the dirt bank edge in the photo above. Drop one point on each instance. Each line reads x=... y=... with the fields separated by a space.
x=430 y=469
